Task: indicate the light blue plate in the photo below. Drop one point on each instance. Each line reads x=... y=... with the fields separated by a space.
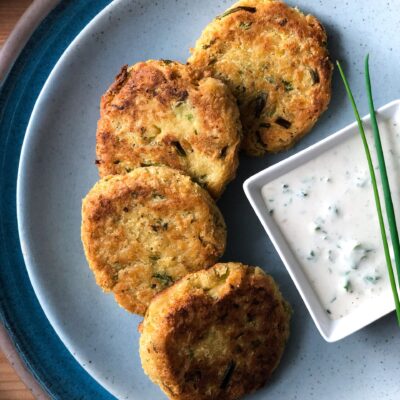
x=57 y=169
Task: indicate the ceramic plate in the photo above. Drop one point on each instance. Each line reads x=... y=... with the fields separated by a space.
x=57 y=169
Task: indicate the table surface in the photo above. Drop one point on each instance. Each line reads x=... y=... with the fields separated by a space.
x=11 y=386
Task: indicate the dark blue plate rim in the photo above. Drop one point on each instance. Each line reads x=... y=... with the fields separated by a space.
x=36 y=342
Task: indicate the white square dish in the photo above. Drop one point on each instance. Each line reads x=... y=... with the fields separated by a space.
x=331 y=330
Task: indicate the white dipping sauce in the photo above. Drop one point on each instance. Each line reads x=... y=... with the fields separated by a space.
x=326 y=211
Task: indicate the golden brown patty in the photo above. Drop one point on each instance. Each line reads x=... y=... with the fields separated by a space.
x=144 y=230
x=156 y=114
x=275 y=60
x=215 y=334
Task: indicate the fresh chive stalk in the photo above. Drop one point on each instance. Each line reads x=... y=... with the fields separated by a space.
x=383 y=172
x=376 y=193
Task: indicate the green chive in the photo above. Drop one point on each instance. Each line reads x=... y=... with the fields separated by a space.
x=382 y=168
x=376 y=193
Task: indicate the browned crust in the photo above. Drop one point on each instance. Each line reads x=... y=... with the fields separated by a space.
x=201 y=327
x=144 y=230
x=275 y=55
x=156 y=113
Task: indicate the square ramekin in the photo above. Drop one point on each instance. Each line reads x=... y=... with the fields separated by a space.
x=331 y=330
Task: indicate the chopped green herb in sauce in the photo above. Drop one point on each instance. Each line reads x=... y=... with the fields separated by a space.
x=372 y=279
x=334 y=210
x=303 y=193
x=311 y=255
x=348 y=287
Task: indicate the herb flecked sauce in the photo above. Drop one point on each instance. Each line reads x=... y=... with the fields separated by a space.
x=326 y=211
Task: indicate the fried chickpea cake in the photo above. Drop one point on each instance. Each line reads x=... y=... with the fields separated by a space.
x=144 y=230
x=275 y=60
x=155 y=113
x=215 y=334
